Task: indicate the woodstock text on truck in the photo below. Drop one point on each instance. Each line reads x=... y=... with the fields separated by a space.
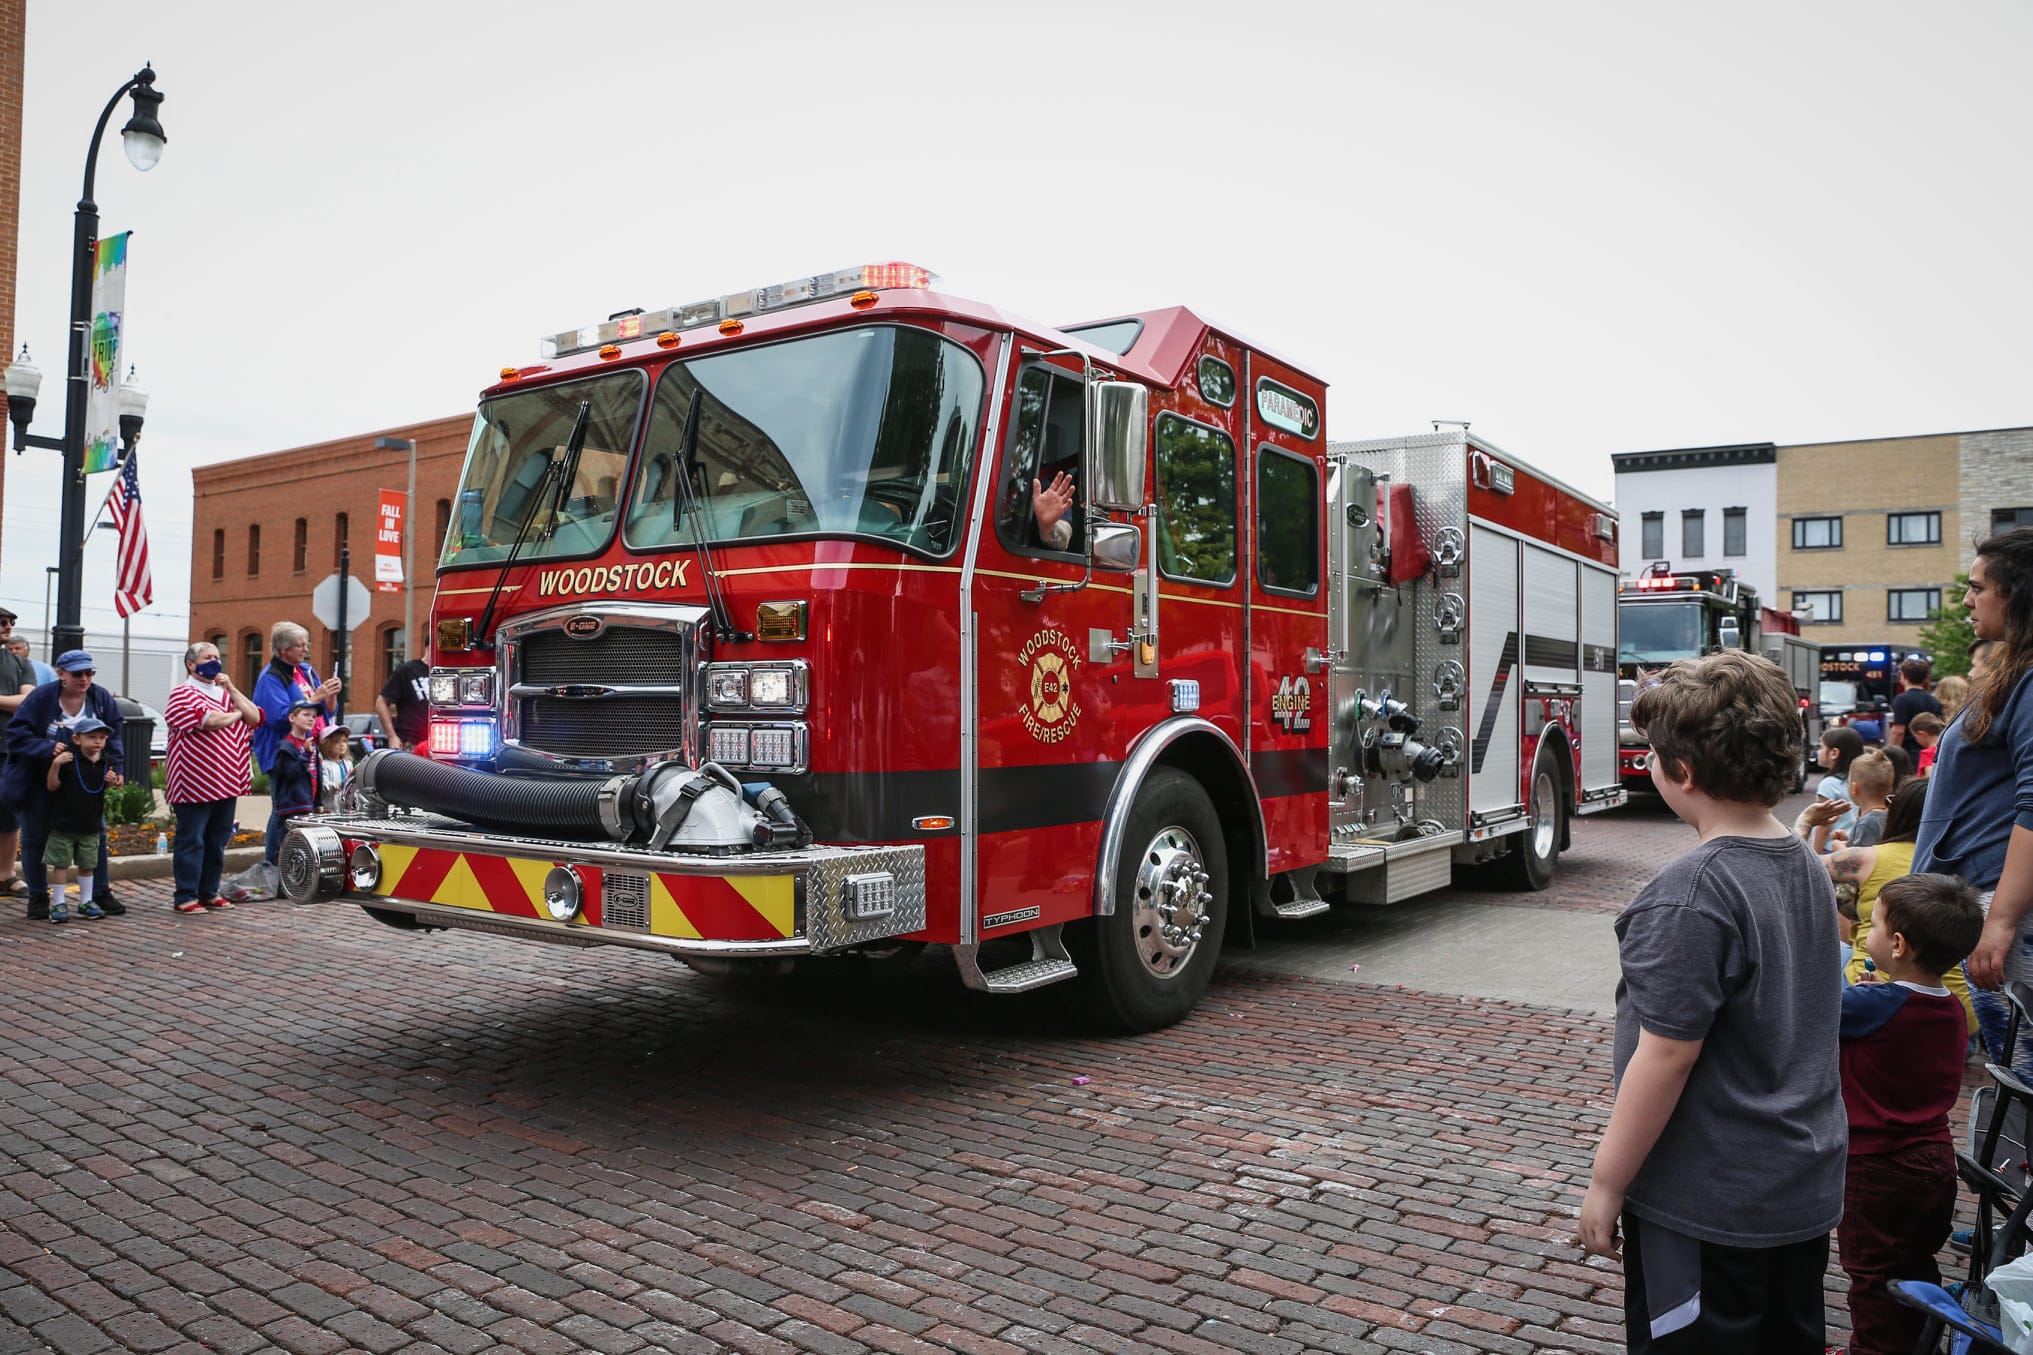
x=754 y=642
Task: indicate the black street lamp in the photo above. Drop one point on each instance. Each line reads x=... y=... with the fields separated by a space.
x=143 y=140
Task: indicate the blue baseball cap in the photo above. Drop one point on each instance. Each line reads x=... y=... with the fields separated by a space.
x=91 y=724
x=75 y=661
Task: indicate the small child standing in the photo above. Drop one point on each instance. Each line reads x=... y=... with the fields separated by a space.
x=1724 y=1152
x=335 y=764
x=293 y=784
x=1903 y=1043
x=77 y=815
x=1871 y=779
x=1926 y=731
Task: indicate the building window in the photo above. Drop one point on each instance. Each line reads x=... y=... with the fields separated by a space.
x=339 y=526
x=253 y=548
x=219 y=553
x=1913 y=529
x=250 y=660
x=1820 y=609
x=2005 y=519
x=1692 y=521
x=1653 y=536
x=1912 y=604
x=300 y=553
x=1734 y=533
x=1817 y=533
x=391 y=656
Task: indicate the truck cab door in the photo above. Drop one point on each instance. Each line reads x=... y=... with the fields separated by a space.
x=1048 y=733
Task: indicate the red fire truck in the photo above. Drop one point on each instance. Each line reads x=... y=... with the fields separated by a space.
x=844 y=616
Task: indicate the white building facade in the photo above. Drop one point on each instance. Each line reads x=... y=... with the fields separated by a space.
x=1702 y=508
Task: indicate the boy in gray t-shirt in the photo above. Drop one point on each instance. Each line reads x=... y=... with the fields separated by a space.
x=1725 y=1151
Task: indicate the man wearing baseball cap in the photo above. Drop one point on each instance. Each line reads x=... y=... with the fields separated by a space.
x=43 y=719
x=17 y=680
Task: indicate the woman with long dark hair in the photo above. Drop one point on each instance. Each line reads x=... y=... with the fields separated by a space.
x=1978 y=822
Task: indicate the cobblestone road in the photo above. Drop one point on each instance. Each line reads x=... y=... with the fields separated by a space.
x=294 y=1129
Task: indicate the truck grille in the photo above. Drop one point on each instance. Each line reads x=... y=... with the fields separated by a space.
x=645 y=661
x=618 y=726
x=618 y=654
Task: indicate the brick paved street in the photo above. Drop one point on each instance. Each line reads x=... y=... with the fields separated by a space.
x=283 y=1128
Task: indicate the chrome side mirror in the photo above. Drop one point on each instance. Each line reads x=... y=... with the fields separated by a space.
x=1116 y=444
x=1117 y=545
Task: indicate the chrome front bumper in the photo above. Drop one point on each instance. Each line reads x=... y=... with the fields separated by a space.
x=816 y=901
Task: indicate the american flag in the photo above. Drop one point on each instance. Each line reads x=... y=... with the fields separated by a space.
x=134 y=586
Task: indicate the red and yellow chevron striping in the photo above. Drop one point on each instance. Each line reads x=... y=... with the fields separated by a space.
x=691 y=907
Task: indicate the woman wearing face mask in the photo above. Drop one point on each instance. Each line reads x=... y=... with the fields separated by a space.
x=208 y=722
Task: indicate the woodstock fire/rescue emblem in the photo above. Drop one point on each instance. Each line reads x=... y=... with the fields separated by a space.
x=1051 y=712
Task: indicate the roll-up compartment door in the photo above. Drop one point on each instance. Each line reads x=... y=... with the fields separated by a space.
x=1598 y=679
x=1493 y=678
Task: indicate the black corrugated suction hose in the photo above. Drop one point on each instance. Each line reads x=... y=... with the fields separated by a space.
x=547 y=807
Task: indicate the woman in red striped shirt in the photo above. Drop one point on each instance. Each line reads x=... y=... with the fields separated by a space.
x=209 y=722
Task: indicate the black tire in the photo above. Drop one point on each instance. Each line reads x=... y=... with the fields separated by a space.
x=1133 y=977
x=1535 y=852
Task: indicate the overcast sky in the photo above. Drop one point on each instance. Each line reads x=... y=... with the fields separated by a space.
x=1587 y=227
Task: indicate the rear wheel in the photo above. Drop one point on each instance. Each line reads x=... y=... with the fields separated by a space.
x=1145 y=965
x=1535 y=851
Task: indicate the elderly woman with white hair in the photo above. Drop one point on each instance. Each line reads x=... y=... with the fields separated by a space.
x=288 y=679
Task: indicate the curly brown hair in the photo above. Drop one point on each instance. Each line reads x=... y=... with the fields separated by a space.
x=1731 y=721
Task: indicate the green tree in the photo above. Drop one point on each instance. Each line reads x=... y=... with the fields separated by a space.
x=1949 y=635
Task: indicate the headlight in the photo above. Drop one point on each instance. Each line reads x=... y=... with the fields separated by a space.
x=562 y=893
x=463 y=739
x=476 y=689
x=727 y=687
x=727 y=746
x=773 y=747
x=770 y=687
x=365 y=867
x=444 y=689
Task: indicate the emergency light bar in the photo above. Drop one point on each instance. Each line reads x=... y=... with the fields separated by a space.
x=868 y=277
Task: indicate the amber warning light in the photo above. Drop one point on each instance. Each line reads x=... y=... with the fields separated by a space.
x=862 y=280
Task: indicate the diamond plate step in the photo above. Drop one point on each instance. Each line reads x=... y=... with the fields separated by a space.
x=1297 y=908
x=1049 y=963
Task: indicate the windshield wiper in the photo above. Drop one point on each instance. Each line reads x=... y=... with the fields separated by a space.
x=482 y=635
x=687 y=503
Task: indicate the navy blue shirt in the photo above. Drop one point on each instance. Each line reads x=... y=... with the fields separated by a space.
x=1978 y=792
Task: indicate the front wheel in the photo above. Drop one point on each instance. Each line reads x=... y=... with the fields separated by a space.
x=1529 y=865
x=1145 y=965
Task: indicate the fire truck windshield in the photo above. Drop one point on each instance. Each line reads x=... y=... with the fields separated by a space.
x=516 y=439
x=1659 y=632
x=860 y=432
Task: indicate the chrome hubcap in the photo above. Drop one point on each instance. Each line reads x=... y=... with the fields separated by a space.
x=1172 y=902
x=1544 y=821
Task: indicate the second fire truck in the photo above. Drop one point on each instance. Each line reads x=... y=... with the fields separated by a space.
x=845 y=616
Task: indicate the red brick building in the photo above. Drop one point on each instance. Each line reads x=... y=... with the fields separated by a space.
x=265 y=530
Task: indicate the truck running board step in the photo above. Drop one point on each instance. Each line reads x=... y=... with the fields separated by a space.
x=1049 y=963
x=1292 y=894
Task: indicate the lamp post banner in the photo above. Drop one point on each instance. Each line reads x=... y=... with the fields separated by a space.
x=388 y=530
x=102 y=401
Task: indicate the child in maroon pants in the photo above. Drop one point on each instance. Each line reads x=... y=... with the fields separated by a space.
x=1903 y=1042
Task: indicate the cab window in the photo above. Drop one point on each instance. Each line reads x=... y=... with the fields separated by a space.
x=1045 y=433
x=1288 y=523
x=1196 y=501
